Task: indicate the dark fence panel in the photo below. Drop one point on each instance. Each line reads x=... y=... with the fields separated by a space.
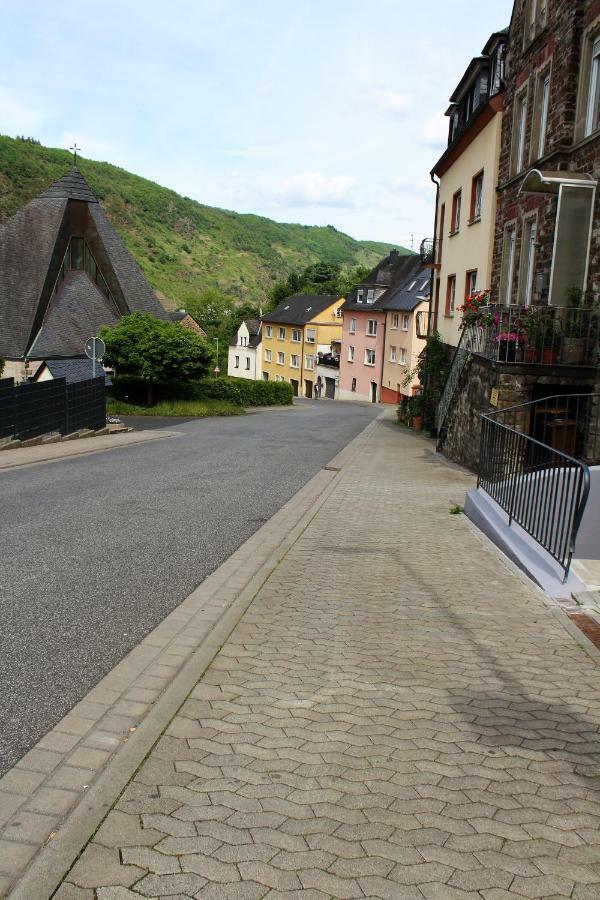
x=7 y=407
x=40 y=408
x=86 y=404
x=30 y=410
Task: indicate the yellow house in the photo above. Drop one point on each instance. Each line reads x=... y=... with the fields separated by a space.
x=294 y=334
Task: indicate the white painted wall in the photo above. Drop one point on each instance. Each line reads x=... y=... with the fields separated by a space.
x=244 y=352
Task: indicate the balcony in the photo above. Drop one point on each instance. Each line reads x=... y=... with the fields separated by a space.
x=535 y=335
x=428 y=252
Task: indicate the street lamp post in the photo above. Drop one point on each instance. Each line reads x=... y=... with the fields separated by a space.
x=216 y=369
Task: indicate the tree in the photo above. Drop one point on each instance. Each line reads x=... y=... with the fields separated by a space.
x=158 y=352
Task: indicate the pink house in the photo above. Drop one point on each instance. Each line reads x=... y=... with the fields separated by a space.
x=363 y=332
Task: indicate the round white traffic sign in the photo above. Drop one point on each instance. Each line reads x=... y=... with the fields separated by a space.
x=95 y=348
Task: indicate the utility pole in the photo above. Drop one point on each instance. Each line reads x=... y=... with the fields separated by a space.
x=216 y=369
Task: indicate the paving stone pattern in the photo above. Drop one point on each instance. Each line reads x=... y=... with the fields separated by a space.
x=396 y=715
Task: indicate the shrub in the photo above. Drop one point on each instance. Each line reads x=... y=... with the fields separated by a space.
x=244 y=392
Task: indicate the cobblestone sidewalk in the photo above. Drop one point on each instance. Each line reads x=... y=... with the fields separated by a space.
x=396 y=716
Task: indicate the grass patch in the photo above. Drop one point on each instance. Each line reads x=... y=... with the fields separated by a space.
x=184 y=408
x=456 y=510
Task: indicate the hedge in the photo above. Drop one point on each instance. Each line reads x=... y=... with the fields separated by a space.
x=240 y=391
x=243 y=391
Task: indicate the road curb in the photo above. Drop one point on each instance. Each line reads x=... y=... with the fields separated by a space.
x=57 y=855
x=147 y=438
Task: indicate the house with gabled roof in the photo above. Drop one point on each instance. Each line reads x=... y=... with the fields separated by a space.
x=408 y=296
x=364 y=327
x=245 y=351
x=293 y=335
x=64 y=273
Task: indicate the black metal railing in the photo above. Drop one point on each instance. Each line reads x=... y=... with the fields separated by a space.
x=533 y=464
x=427 y=252
x=538 y=335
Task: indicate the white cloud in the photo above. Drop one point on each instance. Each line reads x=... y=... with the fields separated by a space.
x=316 y=189
x=434 y=132
x=417 y=187
x=18 y=118
x=394 y=102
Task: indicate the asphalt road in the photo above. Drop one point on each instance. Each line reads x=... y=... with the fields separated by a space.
x=96 y=550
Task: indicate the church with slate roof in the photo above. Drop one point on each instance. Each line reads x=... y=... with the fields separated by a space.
x=64 y=272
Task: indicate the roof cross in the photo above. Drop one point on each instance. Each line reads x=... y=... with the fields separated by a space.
x=74 y=150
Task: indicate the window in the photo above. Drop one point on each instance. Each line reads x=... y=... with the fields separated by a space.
x=295 y=361
x=269 y=330
x=392 y=354
x=470 y=282
x=519 y=131
x=592 y=107
x=476 y=197
x=247 y=363
x=350 y=353
x=353 y=388
x=237 y=362
x=359 y=295
x=395 y=318
x=280 y=358
x=369 y=357
x=311 y=335
x=405 y=321
x=527 y=261
x=372 y=327
x=296 y=335
x=268 y=356
x=338 y=312
x=352 y=326
x=309 y=361
x=542 y=100
x=243 y=341
x=456 y=204
x=535 y=20
x=370 y=296
x=282 y=334
x=450 y=295
x=402 y=356
x=508 y=264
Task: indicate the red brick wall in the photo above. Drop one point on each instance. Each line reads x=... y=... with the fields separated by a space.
x=561 y=44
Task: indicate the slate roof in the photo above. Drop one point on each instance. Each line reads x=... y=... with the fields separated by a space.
x=408 y=290
x=29 y=243
x=386 y=274
x=75 y=314
x=26 y=245
x=253 y=326
x=299 y=309
x=73 y=369
x=71 y=186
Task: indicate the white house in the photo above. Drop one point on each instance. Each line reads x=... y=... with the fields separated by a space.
x=245 y=351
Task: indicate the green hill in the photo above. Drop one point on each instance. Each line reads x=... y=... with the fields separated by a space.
x=181 y=245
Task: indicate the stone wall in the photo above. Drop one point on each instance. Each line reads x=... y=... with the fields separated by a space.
x=515 y=383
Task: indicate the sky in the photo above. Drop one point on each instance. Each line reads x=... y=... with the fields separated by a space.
x=323 y=112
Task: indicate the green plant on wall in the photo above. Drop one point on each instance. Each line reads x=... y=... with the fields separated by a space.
x=432 y=370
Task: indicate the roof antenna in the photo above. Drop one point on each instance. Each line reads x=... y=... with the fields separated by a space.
x=74 y=150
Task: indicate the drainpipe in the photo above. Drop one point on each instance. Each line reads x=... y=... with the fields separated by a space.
x=433 y=312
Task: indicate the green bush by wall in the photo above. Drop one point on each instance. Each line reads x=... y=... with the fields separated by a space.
x=240 y=391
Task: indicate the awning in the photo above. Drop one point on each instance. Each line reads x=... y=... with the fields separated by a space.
x=543 y=182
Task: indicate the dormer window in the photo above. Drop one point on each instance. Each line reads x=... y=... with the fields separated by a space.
x=370 y=295
x=359 y=295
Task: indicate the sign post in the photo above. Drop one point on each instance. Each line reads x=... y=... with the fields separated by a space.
x=95 y=348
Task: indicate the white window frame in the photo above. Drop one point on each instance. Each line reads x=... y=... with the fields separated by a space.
x=269 y=331
x=371 y=327
x=528 y=248
x=593 y=93
x=247 y=364
x=478 y=196
x=281 y=334
x=350 y=353
x=268 y=356
x=298 y=339
x=294 y=361
x=352 y=328
x=508 y=262
x=519 y=131
x=237 y=363
x=311 y=336
x=359 y=295
x=393 y=355
x=369 y=356
x=309 y=362
x=405 y=321
x=280 y=358
x=395 y=320
x=371 y=295
x=543 y=114
x=472 y=283
x=402 y=356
